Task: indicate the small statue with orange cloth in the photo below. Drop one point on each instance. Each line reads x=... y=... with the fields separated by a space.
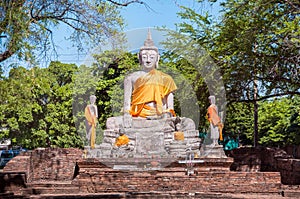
x=216 y=125
x=91 y=115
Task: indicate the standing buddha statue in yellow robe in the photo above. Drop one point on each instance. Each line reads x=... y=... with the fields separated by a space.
x=91 y=115
x=216 y=125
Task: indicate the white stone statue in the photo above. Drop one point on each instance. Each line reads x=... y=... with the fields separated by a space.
x=149 y=119
x=148 y=93
x=91 y=115
x=214 y=120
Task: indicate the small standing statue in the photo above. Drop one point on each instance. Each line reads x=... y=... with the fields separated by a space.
x=215 y=121
x=91 y=115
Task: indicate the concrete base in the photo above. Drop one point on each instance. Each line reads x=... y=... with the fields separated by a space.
x=209 y=151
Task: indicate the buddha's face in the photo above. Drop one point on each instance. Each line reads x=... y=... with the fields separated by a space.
x=92 y=99
x=149 y=59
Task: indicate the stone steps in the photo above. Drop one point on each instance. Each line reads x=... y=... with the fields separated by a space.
x=79 y=196
x=218 y=182
x=38 y=188
x=161 y=195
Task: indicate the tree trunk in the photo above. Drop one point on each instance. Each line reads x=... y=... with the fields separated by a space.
x=255 y=115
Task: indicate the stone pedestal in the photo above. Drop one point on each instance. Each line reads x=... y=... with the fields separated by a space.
x=216 y=151
x=147 y=138
x=148 y=143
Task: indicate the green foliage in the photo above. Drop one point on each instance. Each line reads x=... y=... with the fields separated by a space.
x=278 y=122
x=255 y=42
x=109 y=91
x=36 y=106
x=30 y=25
x=239 y=122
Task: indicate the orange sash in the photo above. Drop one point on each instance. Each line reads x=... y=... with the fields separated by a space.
x=214 y=118
x=92 y=120
x=151 y=87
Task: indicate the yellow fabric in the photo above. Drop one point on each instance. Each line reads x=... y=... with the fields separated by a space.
x=92 y=120
x=151 y=87
x=172 y=112
x=214 y=118
x=220 y=126
x=178 y=135
x=121 y=140
x=212 y=115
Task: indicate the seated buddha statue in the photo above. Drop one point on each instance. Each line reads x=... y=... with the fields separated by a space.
x=148 y=93
x=148 y=109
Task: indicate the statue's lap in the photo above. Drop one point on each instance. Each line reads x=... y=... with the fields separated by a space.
x=149 y=137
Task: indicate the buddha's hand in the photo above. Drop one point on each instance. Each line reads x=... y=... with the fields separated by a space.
x=127 y=120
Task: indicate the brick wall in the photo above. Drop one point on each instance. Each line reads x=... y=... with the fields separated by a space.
x=94 y=178
x=12 y=182
x=46 y=164
x=59 y=165
x=267 y=159
x=293 y=150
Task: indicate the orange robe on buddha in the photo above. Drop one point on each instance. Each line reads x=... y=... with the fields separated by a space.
x=151 y=87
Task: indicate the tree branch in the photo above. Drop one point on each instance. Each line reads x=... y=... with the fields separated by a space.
x=5 y=55
x=126 y=3
x=266 y=97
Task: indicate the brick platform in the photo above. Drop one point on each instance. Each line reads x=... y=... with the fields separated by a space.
x=94 y=177
x=63 y=173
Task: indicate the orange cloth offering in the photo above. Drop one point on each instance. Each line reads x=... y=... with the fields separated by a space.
x=178 y=135
x=151 y=87
x=122 y=140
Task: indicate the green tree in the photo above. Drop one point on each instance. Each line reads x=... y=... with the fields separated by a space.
x=256 y=46
x=18 y=105
x=59 y=117
x=110 y=88
x=239 y=122
x=36 y=106
x=278 y=122
x=28 y=27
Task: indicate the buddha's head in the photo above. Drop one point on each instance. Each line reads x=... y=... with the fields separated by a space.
x=148 y=55
x=212 y=99
x=93 y=99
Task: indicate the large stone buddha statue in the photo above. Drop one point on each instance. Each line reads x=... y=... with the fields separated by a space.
x=149 y=119
x=148 y=93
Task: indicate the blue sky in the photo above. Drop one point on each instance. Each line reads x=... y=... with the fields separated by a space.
x=156 y=13
x=162 y=12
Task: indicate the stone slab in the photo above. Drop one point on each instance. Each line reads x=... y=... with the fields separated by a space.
x=212 y=152
x=150 y=143
x=144 y=123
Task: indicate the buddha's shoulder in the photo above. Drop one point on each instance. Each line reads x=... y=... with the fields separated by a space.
x=135 y=74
